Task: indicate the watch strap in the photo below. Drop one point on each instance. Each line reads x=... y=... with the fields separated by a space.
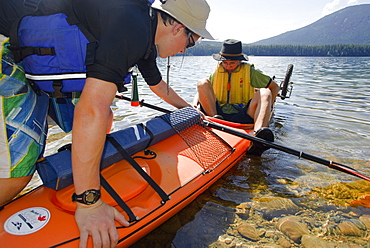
x=82 y=198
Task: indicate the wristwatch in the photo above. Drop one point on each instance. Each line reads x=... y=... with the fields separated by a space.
x=88 y=197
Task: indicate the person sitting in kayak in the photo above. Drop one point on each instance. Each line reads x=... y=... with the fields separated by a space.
x=128 y=33
x=238 y=92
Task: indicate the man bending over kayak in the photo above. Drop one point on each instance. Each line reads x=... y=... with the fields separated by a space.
x=238 y=92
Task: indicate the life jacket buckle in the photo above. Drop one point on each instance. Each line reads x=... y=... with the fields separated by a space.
x=44 y=51
x=58 y=86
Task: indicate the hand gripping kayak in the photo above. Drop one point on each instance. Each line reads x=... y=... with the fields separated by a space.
x=137 y=167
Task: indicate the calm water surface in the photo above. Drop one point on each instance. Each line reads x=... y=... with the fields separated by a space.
x=328 y=115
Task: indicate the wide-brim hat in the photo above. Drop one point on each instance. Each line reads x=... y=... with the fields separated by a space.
x=231 y=50
x=192 y=13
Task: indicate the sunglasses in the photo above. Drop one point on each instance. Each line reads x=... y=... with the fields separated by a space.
x=190 y=40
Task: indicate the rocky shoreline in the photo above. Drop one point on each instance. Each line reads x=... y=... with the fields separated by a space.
x=297 y=226
x=271 y=222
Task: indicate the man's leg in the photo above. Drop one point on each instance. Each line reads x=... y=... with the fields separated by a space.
x=207 y=97
x=11 y=187
x=261 y=108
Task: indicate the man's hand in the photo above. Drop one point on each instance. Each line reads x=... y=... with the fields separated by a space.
x=97 y=221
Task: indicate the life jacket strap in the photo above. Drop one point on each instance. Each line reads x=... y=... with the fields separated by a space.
x=228 y=87
x=31 y=4
x=22 y=52
x=93 y=43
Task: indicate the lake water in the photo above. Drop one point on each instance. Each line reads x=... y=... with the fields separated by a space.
x=328 y=115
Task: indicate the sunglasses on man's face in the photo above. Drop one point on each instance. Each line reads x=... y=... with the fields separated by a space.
x=190 y=40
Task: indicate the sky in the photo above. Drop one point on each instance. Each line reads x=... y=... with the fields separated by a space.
x=254 y=20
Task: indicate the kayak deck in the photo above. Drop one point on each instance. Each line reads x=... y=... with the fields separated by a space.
x=180 y=172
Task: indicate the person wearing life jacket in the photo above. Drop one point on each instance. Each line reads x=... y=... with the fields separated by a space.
x=238 y=92
x=128 y=33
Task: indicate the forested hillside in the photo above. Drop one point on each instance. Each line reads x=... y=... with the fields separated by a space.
x=207 y=48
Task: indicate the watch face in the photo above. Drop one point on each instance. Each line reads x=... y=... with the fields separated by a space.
x=90 y=197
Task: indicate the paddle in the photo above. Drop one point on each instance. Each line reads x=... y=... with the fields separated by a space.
x=300 y=154
x=142 y=103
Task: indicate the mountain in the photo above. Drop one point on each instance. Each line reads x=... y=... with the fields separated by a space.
x=350 y=25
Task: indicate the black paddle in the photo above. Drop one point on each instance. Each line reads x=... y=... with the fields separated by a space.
x=300 y=154
x=142 y=103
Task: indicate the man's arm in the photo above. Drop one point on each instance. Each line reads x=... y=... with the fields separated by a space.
x=91 y=119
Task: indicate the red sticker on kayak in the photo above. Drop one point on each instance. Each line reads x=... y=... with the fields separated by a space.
x=27 y=221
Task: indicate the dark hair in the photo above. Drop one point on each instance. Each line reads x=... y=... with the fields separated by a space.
x=168 y=19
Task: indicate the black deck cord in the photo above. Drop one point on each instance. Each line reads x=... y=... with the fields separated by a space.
x=138 y=168
x=118 y=199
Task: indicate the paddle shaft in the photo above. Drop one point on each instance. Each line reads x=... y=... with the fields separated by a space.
x=142 y=103
x=300 y=154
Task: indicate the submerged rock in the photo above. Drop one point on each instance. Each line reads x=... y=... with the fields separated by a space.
x=276 y=208
x=249 y=231
x=349 y=228
x=284 y=242
x=309 y=241
x=242 y=210
x=366 y=220
x=293 y=227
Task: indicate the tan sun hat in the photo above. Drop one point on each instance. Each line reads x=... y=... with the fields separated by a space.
x=192 y=13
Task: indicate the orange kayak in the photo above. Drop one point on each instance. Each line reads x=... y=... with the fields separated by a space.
x=183 y=160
